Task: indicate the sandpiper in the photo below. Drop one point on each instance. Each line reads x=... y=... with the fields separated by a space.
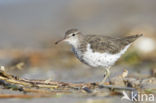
x=97 y=50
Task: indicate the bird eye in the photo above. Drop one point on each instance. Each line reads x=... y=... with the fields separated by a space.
x=73 y=34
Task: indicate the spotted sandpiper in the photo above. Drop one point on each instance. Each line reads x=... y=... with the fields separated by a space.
x=97 y=50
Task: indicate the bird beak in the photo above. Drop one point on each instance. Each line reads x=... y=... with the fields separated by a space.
x=59 y=41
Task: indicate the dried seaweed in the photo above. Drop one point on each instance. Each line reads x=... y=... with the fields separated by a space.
x=46 y=88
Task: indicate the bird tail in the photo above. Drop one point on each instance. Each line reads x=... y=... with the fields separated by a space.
x=129 y=39
x=133 y=37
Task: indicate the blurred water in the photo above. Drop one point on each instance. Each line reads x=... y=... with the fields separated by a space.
x=27 y=23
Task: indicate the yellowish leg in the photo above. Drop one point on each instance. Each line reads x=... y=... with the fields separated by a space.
x=107 y=74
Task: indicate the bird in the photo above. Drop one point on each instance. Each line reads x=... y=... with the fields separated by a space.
x=98 y=51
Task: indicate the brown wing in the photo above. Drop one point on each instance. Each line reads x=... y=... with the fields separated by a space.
x=108 y=44
x=103 y=44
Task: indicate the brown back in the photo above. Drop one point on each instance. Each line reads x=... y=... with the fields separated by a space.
x=107 y=44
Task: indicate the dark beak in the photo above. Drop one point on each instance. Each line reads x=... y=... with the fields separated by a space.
x=59 y=41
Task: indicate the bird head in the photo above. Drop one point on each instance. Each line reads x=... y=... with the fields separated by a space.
x=71 y=36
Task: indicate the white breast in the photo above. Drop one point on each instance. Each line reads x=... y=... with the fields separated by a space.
x=105 y=60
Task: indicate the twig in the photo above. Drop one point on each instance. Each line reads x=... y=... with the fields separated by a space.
x=50 y=87
x=117 y=87
x=21 y=96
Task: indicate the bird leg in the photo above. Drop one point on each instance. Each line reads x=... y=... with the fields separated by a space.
x=107 y=74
